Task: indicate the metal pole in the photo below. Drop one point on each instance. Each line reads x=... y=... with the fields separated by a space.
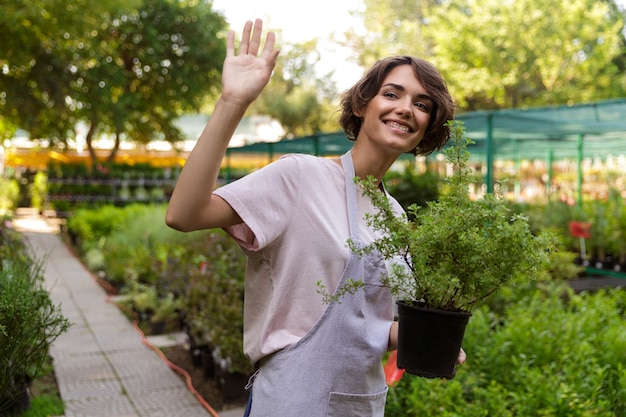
x=228 y=172
x=489 y=153
x=518 y=164
x=579 y=199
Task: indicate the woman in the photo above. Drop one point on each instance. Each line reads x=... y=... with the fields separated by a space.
x=293 y=218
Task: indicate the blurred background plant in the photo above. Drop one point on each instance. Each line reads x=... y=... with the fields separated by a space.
x=29 y=321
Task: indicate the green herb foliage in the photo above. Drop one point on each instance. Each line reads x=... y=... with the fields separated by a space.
x=458 y=250
x=29 y=321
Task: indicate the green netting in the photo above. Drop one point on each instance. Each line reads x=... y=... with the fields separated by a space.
x=595 y=129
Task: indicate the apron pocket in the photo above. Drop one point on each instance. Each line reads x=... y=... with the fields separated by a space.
x=356 y=405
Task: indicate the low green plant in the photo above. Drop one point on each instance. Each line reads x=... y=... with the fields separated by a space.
x=29 y=321
x=44 y=405
x=166 y=309
x=550 y=353
x=89 y=226
x=213 y=302
x=458 y=250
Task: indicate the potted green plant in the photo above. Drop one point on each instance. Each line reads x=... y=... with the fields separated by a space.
x=165 y=313
x=29 y=322
x=447 y=257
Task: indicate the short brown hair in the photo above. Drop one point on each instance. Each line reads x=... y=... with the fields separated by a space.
x=357 y=98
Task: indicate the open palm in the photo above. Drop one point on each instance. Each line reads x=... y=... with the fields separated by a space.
x=246 y=73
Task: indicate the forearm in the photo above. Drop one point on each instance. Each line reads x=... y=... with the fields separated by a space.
x=192 y=205
x=192 y=195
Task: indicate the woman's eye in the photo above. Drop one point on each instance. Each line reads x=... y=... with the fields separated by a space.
x=390 y=95
x=422 y=106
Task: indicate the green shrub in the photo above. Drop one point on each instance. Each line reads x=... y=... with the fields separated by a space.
x=137 y=249
x=549 y=355
x=39 y=191
x=213 y=301
x=9 y=196
x=88 y=226
x=29 y=321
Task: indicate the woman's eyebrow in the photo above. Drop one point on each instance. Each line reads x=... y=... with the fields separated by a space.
x=401 y=88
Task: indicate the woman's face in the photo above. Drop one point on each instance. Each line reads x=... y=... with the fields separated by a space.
x=397 y=117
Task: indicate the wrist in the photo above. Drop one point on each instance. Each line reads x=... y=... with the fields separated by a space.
x=233 y=103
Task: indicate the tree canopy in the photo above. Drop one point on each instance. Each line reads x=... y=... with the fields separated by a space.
x=503 y=54
x=123 y=68
x=297 y=96
x=128 y=68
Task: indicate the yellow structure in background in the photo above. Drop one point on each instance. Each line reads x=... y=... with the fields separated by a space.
x=39 y=159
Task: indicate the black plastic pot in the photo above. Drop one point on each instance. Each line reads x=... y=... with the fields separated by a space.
x=429 y=340
x=17 y=403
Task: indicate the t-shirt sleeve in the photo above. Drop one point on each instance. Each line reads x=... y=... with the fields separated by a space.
x=265 y=200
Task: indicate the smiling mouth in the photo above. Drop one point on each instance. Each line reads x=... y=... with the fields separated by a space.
x=398 y=126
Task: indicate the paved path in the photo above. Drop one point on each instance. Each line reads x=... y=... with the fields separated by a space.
x=102 y=367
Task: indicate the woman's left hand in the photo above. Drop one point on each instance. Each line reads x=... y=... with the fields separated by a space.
x=462 y=357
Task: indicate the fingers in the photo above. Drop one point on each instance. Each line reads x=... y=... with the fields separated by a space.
x=255 y=41
x=245 y=39
x=251 y=41
x=230 y=43
x=268 y=50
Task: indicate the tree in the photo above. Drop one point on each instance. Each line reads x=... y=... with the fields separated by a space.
x=392 y=27
x=299 y=98
x=502 y=54
x=36 y=62
x=132 y=71
x=529 y=52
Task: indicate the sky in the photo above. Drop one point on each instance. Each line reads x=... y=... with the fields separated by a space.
x=300 y=21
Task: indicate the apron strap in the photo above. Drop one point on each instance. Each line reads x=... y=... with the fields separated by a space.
x=348 y=169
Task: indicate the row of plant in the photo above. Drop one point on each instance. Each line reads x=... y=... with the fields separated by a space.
x=604 y=220
x=170 y=280
x=64 y=187
x=603 y=245
x=29 y=322
x=107 y=171
x=67 y=186
x=536 y=349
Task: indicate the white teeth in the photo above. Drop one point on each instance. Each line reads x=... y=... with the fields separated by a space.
x=398 y=126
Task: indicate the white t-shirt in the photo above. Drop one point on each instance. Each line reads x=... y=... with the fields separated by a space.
x=294 y=232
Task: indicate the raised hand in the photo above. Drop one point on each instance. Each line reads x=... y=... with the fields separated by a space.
x=246 y=73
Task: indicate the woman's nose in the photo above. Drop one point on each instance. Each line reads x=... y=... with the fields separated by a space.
x=404 y=107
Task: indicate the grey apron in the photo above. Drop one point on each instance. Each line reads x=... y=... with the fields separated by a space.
x=336 y=368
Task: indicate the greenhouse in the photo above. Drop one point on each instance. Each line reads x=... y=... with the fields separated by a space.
x=548 y=133
x=538 y=129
